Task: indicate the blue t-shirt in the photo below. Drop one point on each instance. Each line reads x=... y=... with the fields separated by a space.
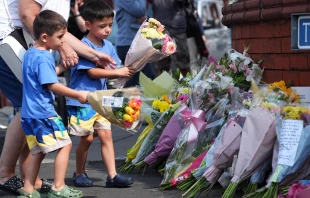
x=80 y=80
x=38 y=71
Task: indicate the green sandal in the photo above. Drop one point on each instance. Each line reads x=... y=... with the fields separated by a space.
x=24 y=194
x=66 y=192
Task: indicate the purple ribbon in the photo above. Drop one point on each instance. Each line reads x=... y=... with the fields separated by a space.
x=196 y=119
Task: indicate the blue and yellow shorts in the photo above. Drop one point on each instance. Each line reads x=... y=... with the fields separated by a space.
x=84 y=120
x=45 y=135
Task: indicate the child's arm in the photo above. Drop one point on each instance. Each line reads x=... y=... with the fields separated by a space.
x=97 y=73
x=60 y=89
x=60 y=68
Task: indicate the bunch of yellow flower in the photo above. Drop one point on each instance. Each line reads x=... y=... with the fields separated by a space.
x=151 y=33
x=130 y=111
x=162 y=104
x=293 y=112
x=287 y=94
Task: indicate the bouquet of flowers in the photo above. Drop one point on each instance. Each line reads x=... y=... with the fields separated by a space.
x=166 y=140
x=152 y=138
x=294 y=145
x=206 y=162
x=151 y=116
x=121 y=107
x=223 y=157
x=260 y=137
x=150 y=44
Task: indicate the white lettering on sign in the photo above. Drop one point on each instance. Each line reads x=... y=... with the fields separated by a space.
x=306 y=31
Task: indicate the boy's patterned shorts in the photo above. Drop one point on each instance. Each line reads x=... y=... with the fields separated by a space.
x=83 y=121
x=45 y=135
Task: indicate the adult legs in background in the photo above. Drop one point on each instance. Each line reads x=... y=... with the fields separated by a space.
x=193 y=55
x=181 y=58
x=14 y=147
x=147 y=70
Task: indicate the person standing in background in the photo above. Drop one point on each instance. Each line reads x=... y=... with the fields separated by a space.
x=130 y=14
x=172 y=15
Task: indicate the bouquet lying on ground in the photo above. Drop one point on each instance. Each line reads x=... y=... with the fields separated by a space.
x=294 y=146
x=152 y=138
x=150 y=44
x=121 y=107
x=151 y=116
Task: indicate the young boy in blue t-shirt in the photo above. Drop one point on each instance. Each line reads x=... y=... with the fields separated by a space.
x=44 y=129
x=83 y=120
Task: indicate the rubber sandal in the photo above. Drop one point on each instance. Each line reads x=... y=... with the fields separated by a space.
x=12 y=185
x=82 y=180
x=46 y=186
x=66 y=192
x=24 y=194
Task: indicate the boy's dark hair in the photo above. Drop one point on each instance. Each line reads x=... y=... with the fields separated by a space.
x=48 y=22
x=97 y=10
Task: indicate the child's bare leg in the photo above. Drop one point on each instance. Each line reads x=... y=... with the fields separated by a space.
x=81 y=153
x=61 y=164
x=107 y=150
x=24 y=159
x=31 y=172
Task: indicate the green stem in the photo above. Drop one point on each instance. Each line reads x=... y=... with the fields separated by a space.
x=230 y=191
x=141 y=165
x=165 y=186
x=201 y=184
x=187 y=183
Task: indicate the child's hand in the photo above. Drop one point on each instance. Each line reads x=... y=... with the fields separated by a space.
x=82 y=98
x=126 y=71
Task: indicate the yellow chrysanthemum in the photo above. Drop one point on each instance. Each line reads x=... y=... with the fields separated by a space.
x=163 y=106
x=293 y=113
x=154 y=22
x=150 y=33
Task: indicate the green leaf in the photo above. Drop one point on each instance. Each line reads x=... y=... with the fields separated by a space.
x=260 y=61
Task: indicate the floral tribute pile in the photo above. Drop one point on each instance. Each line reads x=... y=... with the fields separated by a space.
x=223 y=126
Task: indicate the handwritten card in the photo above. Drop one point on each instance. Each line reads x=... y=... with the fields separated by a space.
x=110 y=101
x=288 y=141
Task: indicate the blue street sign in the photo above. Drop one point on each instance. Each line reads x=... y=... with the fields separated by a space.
x=304 y=32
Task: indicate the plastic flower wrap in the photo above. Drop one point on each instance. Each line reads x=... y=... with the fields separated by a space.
x=152 y=138
x=228 y=147
x=161 y=85
x=293 y=131
x=206 y=162
x=151 y=116
x=150 y=44
x=121 y=107
x=166 y=141
x=258 y=177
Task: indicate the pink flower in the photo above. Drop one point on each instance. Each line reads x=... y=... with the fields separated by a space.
x=233 y=67
x=169 y=48
x=211 y=97
x=247 y=71
x=161 y=28
x=127 y=124
x=219 y=67
x=244 y=67
x=295 y=189
x=137 y=100
x=212 y=75
x=183 y=98
x=167 y=38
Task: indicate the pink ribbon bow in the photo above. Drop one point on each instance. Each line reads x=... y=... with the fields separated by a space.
x=197 y=123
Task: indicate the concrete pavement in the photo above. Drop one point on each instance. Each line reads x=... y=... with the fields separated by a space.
x=144 y=186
